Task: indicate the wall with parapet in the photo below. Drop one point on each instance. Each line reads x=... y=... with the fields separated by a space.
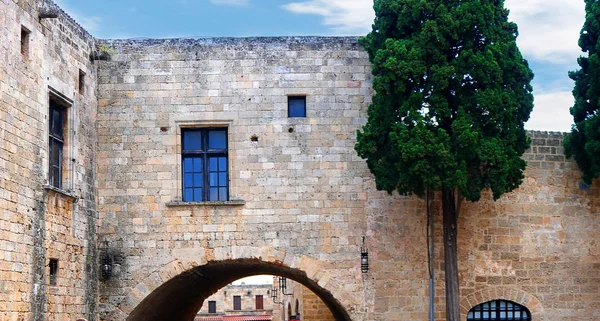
x=301 y=191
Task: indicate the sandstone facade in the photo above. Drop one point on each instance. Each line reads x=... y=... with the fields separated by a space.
x=299 y=201
x=303 y=304
x=224 y=301
x=41 y=60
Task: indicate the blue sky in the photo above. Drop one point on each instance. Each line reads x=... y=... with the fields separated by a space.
x=549 y=30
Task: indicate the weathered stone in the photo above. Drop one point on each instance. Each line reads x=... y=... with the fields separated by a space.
x=301 y=199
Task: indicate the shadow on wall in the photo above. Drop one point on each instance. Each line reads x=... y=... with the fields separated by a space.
x=180 y=298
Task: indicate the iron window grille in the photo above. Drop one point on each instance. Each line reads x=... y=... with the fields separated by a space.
x=499 y=310
x=205 y=165
x=56 y=143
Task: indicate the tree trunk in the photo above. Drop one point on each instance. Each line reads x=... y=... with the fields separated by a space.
x=451 y=254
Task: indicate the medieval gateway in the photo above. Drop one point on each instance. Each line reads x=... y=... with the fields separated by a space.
x=138 y=177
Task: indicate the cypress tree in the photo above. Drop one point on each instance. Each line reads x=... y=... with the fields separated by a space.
x=583 y=143
x=452 y=95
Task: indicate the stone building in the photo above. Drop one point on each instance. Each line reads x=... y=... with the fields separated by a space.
x=240 y=302
x=180 y=165
x=48 y=156
x=303 y=304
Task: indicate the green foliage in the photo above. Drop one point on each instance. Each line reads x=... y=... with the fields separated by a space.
x=106 y=49
x=583 y=143
x=452 y=95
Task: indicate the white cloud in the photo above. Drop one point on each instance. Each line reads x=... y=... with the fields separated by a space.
x=344 y=17
x=548 y=33
x=548 y=29
x=237 y=3
x=551 y=112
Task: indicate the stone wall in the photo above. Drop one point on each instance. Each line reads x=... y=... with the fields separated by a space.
x=39 y=223
x=307 y=303
x=301 y=196
x=295 y=181
x=536 y=246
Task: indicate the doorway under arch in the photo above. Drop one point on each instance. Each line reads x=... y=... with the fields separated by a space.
x=180 y=298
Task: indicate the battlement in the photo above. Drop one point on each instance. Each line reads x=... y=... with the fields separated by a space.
x=546 y=149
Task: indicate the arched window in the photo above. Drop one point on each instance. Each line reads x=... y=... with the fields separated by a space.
x=499 y=310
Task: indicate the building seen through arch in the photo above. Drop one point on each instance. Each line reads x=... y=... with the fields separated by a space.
x=281 y=299
x=240 y=302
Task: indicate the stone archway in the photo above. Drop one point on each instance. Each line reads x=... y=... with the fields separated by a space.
x=504 y=293
x=182 y=295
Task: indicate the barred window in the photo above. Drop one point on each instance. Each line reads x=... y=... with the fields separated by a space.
x=499 y=310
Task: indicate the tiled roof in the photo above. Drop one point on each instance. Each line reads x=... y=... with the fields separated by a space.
x=236 y=318
x=247 y=317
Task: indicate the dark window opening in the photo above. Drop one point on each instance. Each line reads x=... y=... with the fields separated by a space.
x=205 y=165
x=81 y=82
x=25 y=42
x=237 y=302
x=56 y=143
x=259 y=302
x=53 y=271
x=499 y=310
x=212 y=306
x=296 y=106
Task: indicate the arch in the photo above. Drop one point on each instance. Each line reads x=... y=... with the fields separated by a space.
x=503 y=293
x=289 y=311
x=297 y=308
x=499 y=310
x=177 y=292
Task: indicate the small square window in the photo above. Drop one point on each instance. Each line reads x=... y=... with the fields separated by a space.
x=205 y=165
x=296 y=106
x=81 y=82
x=212 y=306
x=53 y=265
x=25 y=42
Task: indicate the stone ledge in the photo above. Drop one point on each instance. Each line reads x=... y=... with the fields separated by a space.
x=217 y=203
x=62 y=192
